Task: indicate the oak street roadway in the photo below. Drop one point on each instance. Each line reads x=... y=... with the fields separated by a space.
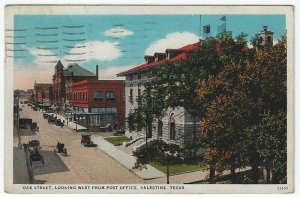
x=82 y=165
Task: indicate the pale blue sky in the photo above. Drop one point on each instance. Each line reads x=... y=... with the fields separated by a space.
x=117 y=41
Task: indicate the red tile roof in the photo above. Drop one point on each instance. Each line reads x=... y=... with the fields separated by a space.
x=182 y=56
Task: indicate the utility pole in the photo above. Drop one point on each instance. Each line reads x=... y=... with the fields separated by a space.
x=18 y=121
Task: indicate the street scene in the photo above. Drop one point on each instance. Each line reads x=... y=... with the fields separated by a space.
x=125 y=99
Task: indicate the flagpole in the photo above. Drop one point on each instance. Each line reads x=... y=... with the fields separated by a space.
x=200 y=29
x=225 y=23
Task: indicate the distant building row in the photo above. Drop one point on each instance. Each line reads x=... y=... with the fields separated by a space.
x=79 y=95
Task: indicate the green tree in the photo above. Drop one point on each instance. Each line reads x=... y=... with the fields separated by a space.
x=157 y=151
x=238 y=95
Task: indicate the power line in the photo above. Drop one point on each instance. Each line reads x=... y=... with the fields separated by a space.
x=55 y=41
x=74 y=33
x=15 y=36
x=47 y=54
x=46 y=34
x=47 y=48
x=79 y=60
x=74 y=39
x=75 y=53
x=16 y=50
x=79 y=46
x=15 y=56
x=46 y=28
x=15 y=30
x=47 y=61
x=73 y=26
x=11 y=43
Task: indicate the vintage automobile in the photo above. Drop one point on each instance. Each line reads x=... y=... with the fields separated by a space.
x=52 y=120
x=58 y=122
x=106 y=127
x=24 y=122
x=35 y=156
x=61 y=148
x=86 y=139
x=34 y=143
x=34 y=126
x=119 y=132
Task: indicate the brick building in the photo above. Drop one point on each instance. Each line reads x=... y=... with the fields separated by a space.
x=62 y=80
x=39 y=92
x=98 y=102
x=48 y=95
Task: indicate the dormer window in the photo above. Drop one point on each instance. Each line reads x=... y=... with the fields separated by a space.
x=159 y=56
x=149 y=59
x=170 y=53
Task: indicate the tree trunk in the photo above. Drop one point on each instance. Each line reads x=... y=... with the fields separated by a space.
x=194 y=132
x=255 y=174
x=194 y=138
x=275 y=178
x=212 y=174
x=233 y=175
x=168 y=174
x=268 y=175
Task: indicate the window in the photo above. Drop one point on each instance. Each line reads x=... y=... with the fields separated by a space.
x=139 y=76
x=131 y=77
x=97 y=96
x=131 y=95
x=110 y=95
x=269 y=39
x=123 y=96
x=139 y=89
x=85 y=96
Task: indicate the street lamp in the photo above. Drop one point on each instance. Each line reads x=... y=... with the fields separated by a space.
x=146 y=127
x=76 y=120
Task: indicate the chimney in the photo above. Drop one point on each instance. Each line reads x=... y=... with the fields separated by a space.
x=97 y=71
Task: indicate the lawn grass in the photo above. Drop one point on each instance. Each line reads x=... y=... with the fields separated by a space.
x=118 y=140
x=179 y=168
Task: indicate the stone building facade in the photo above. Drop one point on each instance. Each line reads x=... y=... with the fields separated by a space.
x=137 y=77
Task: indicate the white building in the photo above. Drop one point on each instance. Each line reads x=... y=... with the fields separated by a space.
x=135 y=80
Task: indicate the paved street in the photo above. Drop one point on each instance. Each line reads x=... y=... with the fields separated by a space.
x=82 y=165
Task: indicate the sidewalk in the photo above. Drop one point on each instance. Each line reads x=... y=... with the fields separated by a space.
x=71 y=125
x=128 y=160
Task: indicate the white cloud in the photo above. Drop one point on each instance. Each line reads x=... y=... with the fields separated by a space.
x=42 y=58
x=118 y=32
x=109 y=73
x=173 y=40
x=94 y=50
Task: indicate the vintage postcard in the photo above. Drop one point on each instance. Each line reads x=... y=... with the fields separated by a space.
x=149 y=99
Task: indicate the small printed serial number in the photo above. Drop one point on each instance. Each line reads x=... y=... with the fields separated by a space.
x=282 y=188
